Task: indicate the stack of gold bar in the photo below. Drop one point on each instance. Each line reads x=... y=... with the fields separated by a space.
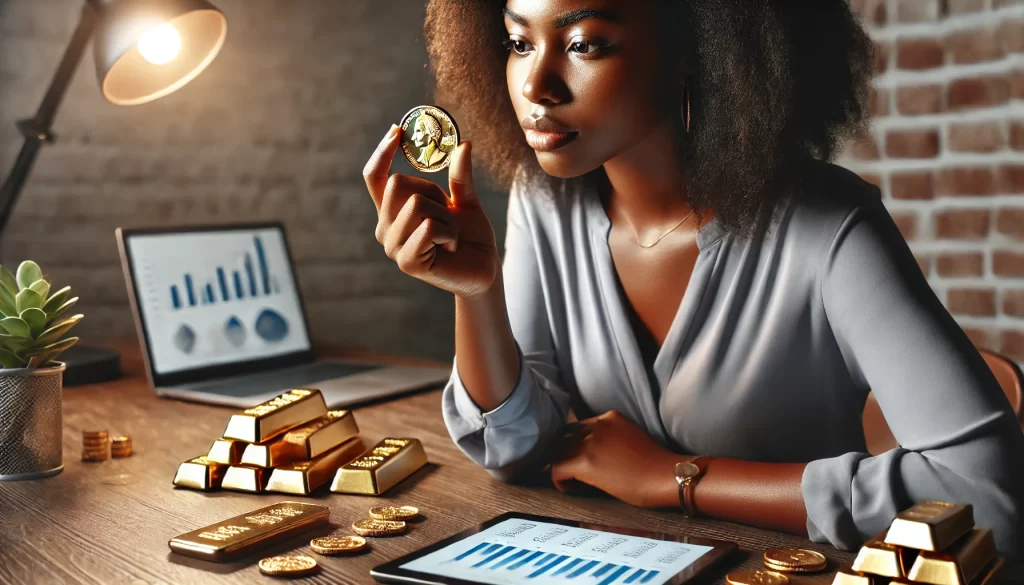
x=120 y=447
x=930 y=542
x=95 y=445
x=291 y=444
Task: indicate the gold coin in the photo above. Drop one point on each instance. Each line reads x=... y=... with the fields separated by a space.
x=795 y=558
x=334 y=545
x=756 y=577
x=429 y=135
x=93 y=458
x=785 y=569
x=121 y=441
x=290 y=565
x=102 y=442
x=375 y=527
x=394 y=512
x=121 y=454
x=95 y=434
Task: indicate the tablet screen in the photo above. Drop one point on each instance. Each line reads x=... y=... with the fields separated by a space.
x=528 y=551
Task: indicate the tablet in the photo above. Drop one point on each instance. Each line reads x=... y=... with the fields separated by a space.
x=517 y=548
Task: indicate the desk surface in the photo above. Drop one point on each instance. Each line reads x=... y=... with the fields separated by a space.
x=110 y=522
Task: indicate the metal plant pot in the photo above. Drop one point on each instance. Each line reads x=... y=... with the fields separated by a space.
x=30 y=423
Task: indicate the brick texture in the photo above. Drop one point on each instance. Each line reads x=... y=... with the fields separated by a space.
x=951 y=149
x=278 y=128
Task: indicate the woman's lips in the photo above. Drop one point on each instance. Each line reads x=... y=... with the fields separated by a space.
x=548 y=141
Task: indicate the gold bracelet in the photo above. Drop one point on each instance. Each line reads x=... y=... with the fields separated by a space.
x=687 y=475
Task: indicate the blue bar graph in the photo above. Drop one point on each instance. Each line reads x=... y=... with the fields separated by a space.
x=222 y=279
x=264 y=273
x=188 y=290
x=493 y=556
x=258 y=281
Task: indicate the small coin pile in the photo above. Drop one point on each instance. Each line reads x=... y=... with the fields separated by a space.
x=120 y=447
x=288 y=566
x=794 y=560
x=95 y=445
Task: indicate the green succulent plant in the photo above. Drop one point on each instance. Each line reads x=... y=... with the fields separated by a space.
x=32 y=319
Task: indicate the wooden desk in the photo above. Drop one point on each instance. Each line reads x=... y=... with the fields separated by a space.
x=110 y=522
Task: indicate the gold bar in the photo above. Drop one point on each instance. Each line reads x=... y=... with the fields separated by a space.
x=847 y=576
x=199 y=473
x=275 y=416
x=302 y=477
x=930 y=525
x=304 y=442
x=878 y=558
x=243 y=534
x=245 y=478
x=377 y=470
x=227 y=451
x=959 y=565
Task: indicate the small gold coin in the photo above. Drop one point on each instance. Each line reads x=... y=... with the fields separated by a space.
x=93 y=458
x=336 y=545
x=120 y=453
x=794 y=559
x=95 y=434
x=288 y=565
x=375 y=527
x=429 y=135
x=756 y=577
x=121 y=441
x=394 y=512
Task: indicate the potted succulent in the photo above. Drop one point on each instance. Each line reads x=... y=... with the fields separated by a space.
x=33 y=322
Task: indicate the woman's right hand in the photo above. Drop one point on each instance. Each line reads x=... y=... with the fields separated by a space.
x=448 y=243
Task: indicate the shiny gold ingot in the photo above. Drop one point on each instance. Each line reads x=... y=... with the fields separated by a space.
x=377 y=470
x=275 y=416
x=374 y=527
x=245 y=478
x=404 y=513
x=960 y=564
x=796 y=560
x=257 y=529
x=878 y=558
x=337 y=545
x=756 y=577
x=199 y=473
x=850 y=577
x=302 y=477
x=429 y=135
x=304 y=442
x=930 y=525
x=288 y=565
x=227 y=451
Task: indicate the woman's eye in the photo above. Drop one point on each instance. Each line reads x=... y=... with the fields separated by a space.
x=517 y=46
x=585 y=47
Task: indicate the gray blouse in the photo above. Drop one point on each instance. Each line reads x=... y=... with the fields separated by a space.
x=776 y=343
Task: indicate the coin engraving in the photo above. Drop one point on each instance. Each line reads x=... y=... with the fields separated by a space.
x=288 y=565
x=794 y=557
x=756 y=577
x=375 y=527
x=333 y=545
x=394 y=512
x=429 y=135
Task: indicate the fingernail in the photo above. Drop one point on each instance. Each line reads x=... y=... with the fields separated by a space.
x=394 y=131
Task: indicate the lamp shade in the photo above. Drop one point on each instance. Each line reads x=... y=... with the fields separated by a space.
x=146 y=49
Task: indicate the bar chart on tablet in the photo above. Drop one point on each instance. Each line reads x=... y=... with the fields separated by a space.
x=519 y=551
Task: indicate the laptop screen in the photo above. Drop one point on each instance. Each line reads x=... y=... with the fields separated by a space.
x=215 y=297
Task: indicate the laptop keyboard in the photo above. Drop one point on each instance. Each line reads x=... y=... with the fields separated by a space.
x=291 y=377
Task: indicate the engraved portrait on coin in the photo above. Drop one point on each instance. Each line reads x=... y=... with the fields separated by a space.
x=429 y=135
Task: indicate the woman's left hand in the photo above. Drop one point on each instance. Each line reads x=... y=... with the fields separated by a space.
x=611 y=453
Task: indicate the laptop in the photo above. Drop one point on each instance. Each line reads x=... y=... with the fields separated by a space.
x=221 y=321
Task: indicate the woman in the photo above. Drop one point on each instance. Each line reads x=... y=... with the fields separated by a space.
x=685 y=270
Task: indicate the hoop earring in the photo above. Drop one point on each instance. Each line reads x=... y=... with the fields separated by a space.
x=686 y=100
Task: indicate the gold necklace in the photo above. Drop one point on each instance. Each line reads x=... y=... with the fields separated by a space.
x=661 y=237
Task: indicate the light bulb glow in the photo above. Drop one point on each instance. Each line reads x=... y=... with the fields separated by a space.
x=160 y=45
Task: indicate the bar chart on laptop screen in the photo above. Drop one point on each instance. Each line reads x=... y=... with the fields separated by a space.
x=522 y=551
x=216 y=297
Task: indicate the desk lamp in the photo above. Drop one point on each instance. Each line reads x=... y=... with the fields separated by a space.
x=144 y=50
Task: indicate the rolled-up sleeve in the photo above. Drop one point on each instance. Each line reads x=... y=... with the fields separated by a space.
x=959 y=439
x=509 y=440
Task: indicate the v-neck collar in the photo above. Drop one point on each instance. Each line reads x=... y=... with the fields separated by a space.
x=708 y=236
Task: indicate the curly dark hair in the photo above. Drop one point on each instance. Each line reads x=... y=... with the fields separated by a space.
x=774 y=84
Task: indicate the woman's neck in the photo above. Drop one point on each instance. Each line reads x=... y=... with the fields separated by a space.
x=647 y=182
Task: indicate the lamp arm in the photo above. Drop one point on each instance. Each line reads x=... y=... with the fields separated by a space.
x=36 y=130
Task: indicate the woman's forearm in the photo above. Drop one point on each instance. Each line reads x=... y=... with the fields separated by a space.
x=485 y=349
x=766 y=495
